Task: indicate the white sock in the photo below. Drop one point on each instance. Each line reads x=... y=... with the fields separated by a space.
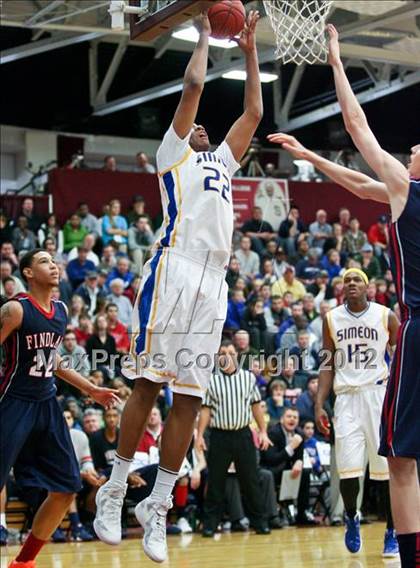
x=165 y=481
x=3 y=521
x=120 y=469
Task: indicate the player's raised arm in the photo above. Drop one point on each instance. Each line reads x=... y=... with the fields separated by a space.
x=11 y=315
x=240 y=135
x=194 y=78
x=360 y=184
x=387 y=168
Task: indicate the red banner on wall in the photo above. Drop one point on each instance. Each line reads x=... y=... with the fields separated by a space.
x=69 y=187
x=272 y=195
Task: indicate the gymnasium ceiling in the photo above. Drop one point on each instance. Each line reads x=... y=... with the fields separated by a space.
x=65 y=69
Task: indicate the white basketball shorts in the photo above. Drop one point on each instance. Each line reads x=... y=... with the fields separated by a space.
x=356 y=423
x=177 y=322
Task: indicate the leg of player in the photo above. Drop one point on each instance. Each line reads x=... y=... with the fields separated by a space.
x=405 y=501
x=47 y=519
x=349 y=489
x=176 y=438
x=110 y=497
x=390 y=540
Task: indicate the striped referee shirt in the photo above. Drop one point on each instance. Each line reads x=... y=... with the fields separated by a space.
x=230 y=398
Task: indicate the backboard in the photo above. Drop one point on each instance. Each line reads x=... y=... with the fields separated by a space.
x=162 y=16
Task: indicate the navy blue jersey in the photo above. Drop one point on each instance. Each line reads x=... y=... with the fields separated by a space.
x=30 y=351
x=405 y=253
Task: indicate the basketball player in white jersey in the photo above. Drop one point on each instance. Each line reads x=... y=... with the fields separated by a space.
x=183 y=299
x=356 y=336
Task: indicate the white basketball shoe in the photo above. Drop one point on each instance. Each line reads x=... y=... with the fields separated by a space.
x=109 y=501
x=152 y=517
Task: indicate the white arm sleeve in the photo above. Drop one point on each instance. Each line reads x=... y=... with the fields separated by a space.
x=225 y=153
x=171 y=150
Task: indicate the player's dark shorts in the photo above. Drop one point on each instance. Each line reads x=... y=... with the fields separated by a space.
x=400 y=432
x=35 y=441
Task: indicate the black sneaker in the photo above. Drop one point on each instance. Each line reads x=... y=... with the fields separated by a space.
x=306 y=519
x=263 y=529
x=276 y=523
x=207 y=533
x=237 y=526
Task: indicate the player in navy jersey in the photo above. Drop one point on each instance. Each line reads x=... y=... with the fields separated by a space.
x=35 y=440
x=400 y=188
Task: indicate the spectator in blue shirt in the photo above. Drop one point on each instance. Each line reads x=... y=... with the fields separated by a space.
x=297 y=311
x=276 y=402
x=306 y=402
x=235 y=310
x=307 y=357
x=78 y=268
x=308 y=268
x=310 y=445
x=320 y=230
x=115 y=226
x=331 y=263
x=122 y=270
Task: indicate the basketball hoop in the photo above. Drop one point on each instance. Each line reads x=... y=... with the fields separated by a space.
x=299 y=27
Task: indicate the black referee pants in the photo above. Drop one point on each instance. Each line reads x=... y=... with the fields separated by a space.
x=227 y=446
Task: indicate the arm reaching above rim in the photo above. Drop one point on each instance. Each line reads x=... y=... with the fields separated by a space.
x=240 y=135
x=357 y=183
x=194 y=77
x=388 y=169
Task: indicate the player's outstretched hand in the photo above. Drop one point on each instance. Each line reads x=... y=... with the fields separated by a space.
x=289 y=143
x=334 y=51
x=108 y=398
x=247 y=40
x=202 y=23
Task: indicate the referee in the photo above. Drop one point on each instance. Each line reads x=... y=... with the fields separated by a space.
x=231 y=400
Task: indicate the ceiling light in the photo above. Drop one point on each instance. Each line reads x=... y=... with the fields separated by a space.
x=191 y=34
x=241 y=76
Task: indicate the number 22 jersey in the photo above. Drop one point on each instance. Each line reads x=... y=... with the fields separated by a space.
x=360 y=342
x=29 y=352
x=197 y=202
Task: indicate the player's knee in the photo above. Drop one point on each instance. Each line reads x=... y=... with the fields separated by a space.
x=144 y=388
x=65 y=499
x=402 y=467
x=186 y=405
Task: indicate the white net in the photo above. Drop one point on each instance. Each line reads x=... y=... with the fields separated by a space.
x=299 y=27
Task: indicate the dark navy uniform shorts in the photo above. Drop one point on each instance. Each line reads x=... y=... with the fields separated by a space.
x=35 y=441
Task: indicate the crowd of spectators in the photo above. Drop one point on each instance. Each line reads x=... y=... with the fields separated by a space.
x=281 y=286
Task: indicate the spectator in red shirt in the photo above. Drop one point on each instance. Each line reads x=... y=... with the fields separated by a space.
x=84 y=330
x=382 y=296
x=378 y=235
x=117 y=329
x=153 y=431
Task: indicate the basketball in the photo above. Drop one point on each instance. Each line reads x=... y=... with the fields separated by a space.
x=227 y=18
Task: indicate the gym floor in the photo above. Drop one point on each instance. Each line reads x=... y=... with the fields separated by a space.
x=291 y=548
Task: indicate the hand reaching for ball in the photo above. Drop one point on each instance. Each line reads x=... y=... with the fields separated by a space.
x=289 y=143
x=202 y=23
x=247 y=39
